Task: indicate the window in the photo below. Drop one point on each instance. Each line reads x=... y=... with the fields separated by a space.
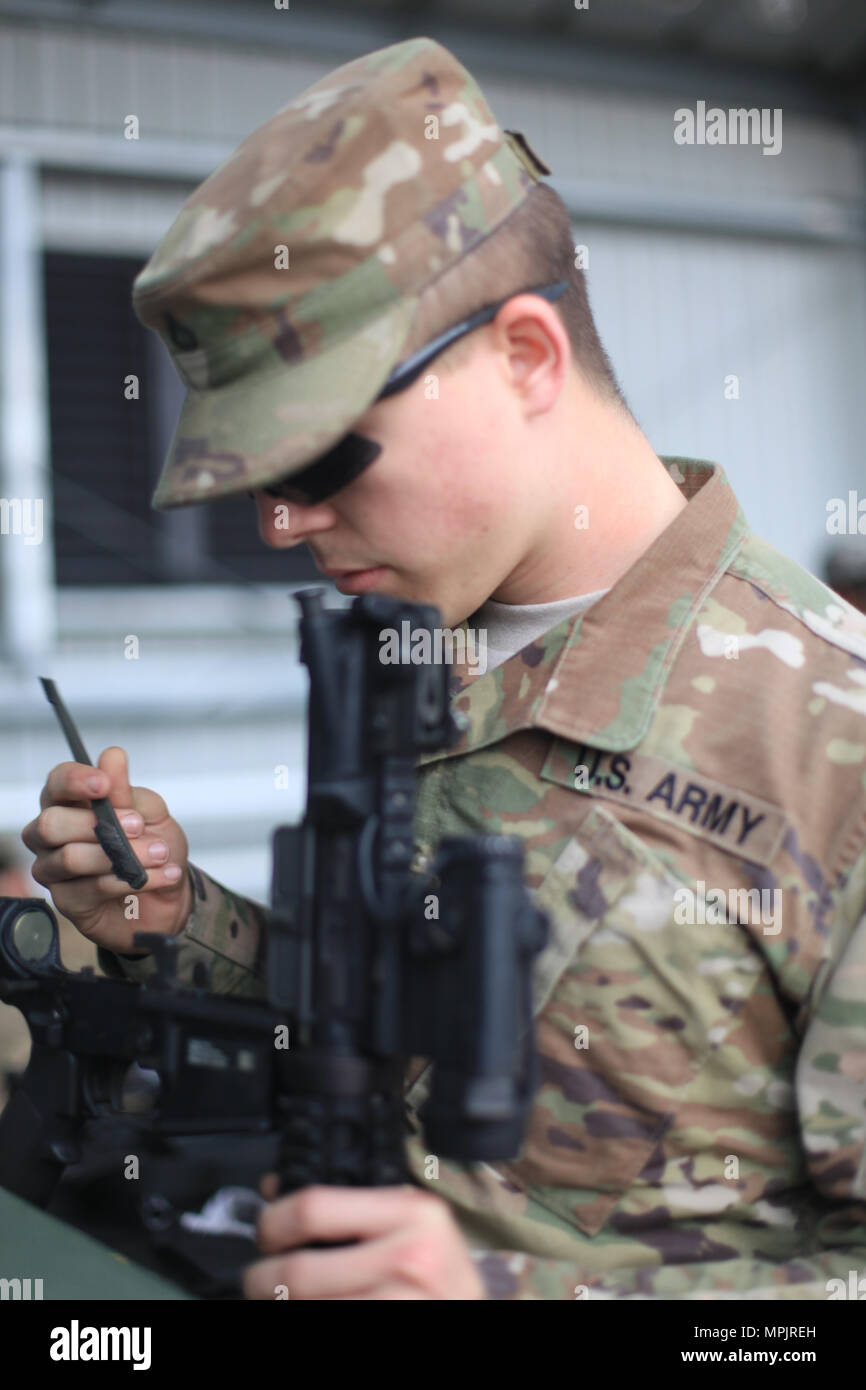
x=107 y=451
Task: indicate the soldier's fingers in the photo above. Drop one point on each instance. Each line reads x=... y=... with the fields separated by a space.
x=149 y=803
x=60 y=825
x=79 y=898
x=68 y=783
x=90 y=861
x=113 y=762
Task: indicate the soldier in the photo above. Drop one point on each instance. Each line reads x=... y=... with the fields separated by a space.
x=673 y=714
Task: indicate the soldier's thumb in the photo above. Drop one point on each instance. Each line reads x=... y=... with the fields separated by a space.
x=113 y=762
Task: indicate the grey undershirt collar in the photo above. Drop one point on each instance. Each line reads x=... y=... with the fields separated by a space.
x=511 y=626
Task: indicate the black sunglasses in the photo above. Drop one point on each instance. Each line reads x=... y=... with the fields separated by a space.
x=336 y=468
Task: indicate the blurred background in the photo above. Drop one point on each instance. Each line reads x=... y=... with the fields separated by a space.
x=729 y=286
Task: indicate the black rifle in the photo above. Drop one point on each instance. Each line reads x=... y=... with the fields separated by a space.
x=368 y=964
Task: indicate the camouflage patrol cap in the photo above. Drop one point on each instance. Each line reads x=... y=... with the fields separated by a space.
x=286 y=287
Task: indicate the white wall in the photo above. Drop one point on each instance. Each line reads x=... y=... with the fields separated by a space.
x=680 y=314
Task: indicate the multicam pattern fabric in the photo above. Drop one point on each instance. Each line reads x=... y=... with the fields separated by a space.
x=696 y=736
x=222 y=946
x=286 y=288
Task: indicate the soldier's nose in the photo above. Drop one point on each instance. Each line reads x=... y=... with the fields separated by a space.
x=283 y=524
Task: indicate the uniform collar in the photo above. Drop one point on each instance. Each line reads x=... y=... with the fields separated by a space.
x=596 y=678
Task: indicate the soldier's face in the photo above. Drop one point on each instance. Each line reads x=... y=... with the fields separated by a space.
x=450 y=508
x=437 y=514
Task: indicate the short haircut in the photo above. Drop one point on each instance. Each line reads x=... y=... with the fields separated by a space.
x=533 y=246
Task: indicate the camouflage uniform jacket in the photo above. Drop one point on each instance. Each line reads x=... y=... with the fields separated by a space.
x=685 y=763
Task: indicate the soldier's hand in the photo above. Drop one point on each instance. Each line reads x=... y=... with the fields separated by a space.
x=75 y=869
x=409 y=1246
